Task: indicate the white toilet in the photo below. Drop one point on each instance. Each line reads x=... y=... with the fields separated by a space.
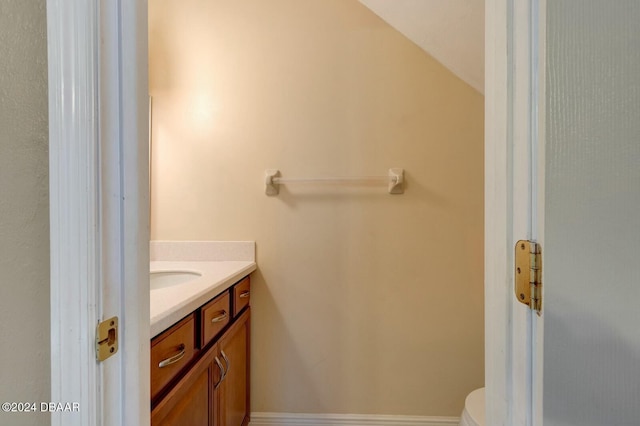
x=473 y=413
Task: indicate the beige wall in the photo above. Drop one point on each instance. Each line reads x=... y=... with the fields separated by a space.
x=364 y=302
x=24 y=209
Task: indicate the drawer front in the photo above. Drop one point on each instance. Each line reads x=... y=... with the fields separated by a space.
x=241 y=296
x=171 y=352
x=215 y=316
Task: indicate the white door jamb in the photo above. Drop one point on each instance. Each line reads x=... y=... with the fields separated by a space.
x=98 y=208
x=510 y=117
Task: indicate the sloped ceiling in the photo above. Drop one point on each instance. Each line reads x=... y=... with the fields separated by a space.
x=452 y=31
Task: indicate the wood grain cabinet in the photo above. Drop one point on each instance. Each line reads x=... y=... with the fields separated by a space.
x=233 y=389
x=171 y=353
x=189 y=402
x=211 y=387
x=241 y=293
x=216 y=315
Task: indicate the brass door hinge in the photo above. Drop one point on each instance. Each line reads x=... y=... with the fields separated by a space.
x=107 y=339
x=528 y=274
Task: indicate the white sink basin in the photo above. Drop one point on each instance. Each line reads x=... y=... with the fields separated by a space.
x=163 y=279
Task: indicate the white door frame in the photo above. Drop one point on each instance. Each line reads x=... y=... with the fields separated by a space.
x=539 y=50
x=99 y=212
x=99 y=181
x=514 y=82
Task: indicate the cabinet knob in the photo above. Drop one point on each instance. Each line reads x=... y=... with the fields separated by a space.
x=244 y=294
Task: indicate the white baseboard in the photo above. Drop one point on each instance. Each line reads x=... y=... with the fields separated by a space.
x=303 y=419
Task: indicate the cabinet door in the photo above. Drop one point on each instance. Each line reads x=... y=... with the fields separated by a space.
x=190 y=401
x=233 y=392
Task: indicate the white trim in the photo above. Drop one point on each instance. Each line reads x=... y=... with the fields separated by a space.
x=72 y=28
x=99 y=208
x=111 y=216
x=134 y=145
x=509 y=189
x=521 y=120
x=538 y=220
x=304 y=419
x=497 y=187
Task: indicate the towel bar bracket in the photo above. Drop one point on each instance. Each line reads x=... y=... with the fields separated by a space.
x=272 y=187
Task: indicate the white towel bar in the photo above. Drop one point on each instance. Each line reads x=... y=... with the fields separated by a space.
x=394 y=179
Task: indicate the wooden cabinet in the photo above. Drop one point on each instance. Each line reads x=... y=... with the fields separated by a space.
x=216 y=315
x=188 y=403
x=171 y=353
x=233 y=391
x=211 y=387
x=241 y=293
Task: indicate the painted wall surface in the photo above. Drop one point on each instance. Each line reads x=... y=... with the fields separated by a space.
x=364 y=302
x=592 y=214
x=24 y=209
x=452 y=31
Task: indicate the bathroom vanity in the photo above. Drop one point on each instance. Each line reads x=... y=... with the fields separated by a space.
x=200 y=327
x=200 y=366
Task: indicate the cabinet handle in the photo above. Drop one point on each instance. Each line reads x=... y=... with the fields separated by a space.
x=222 y=373
x=244 y=294
x=172 y=360
x=220 y=317
x=226 y=361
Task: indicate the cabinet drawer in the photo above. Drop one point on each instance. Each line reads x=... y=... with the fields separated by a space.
x=241 y=295
x=171 y=352
x=215 y=316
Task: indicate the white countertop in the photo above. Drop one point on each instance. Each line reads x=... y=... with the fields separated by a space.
x=170 y=304
x=221 y=264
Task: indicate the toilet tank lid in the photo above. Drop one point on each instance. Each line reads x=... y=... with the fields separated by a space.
x=474 y=404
